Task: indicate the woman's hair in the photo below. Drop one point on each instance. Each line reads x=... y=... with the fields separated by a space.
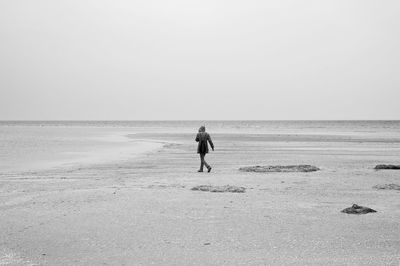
x=202 y=129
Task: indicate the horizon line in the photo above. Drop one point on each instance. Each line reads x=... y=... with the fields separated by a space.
x=184 y=120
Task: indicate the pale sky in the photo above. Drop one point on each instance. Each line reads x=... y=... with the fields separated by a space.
x=208 y=59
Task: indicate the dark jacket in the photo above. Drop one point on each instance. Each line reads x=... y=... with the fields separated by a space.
x=202 y=138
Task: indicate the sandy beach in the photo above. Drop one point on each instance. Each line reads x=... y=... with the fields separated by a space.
x=142 y=211
x=106 y=109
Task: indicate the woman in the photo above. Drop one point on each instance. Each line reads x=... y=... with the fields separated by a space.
x=203 y=138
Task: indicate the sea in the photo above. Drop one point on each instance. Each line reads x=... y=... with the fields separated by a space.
x=36 y=145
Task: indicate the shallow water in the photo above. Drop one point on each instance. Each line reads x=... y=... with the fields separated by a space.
x=36 y=147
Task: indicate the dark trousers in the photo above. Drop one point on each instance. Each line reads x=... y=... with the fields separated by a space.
x=203 y=162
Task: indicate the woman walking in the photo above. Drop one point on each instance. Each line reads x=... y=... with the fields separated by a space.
x=203 y=138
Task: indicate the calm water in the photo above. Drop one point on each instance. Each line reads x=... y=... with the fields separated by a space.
x=300 y=127
x=27 y=145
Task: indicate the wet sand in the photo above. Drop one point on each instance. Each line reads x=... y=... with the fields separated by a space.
x=142 y=211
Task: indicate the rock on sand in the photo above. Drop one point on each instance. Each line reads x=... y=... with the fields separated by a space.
x=355 y=209
x=279 y=168
x=227 y=188
x=387 y=167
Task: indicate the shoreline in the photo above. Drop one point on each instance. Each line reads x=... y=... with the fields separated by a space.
x=120 y=149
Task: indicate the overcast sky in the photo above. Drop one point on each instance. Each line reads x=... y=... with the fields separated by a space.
x=208 y=59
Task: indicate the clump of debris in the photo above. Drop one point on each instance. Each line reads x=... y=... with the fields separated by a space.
x=279 y=168
x=227 y=188
x=356 y=209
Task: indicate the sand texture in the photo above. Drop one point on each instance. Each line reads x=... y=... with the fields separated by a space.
x=142 y=211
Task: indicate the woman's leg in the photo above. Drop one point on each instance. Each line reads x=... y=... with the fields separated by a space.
x=206 y=164
x=201 y=162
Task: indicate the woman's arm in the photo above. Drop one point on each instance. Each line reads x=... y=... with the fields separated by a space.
x=210 y=141
x=197 y=138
